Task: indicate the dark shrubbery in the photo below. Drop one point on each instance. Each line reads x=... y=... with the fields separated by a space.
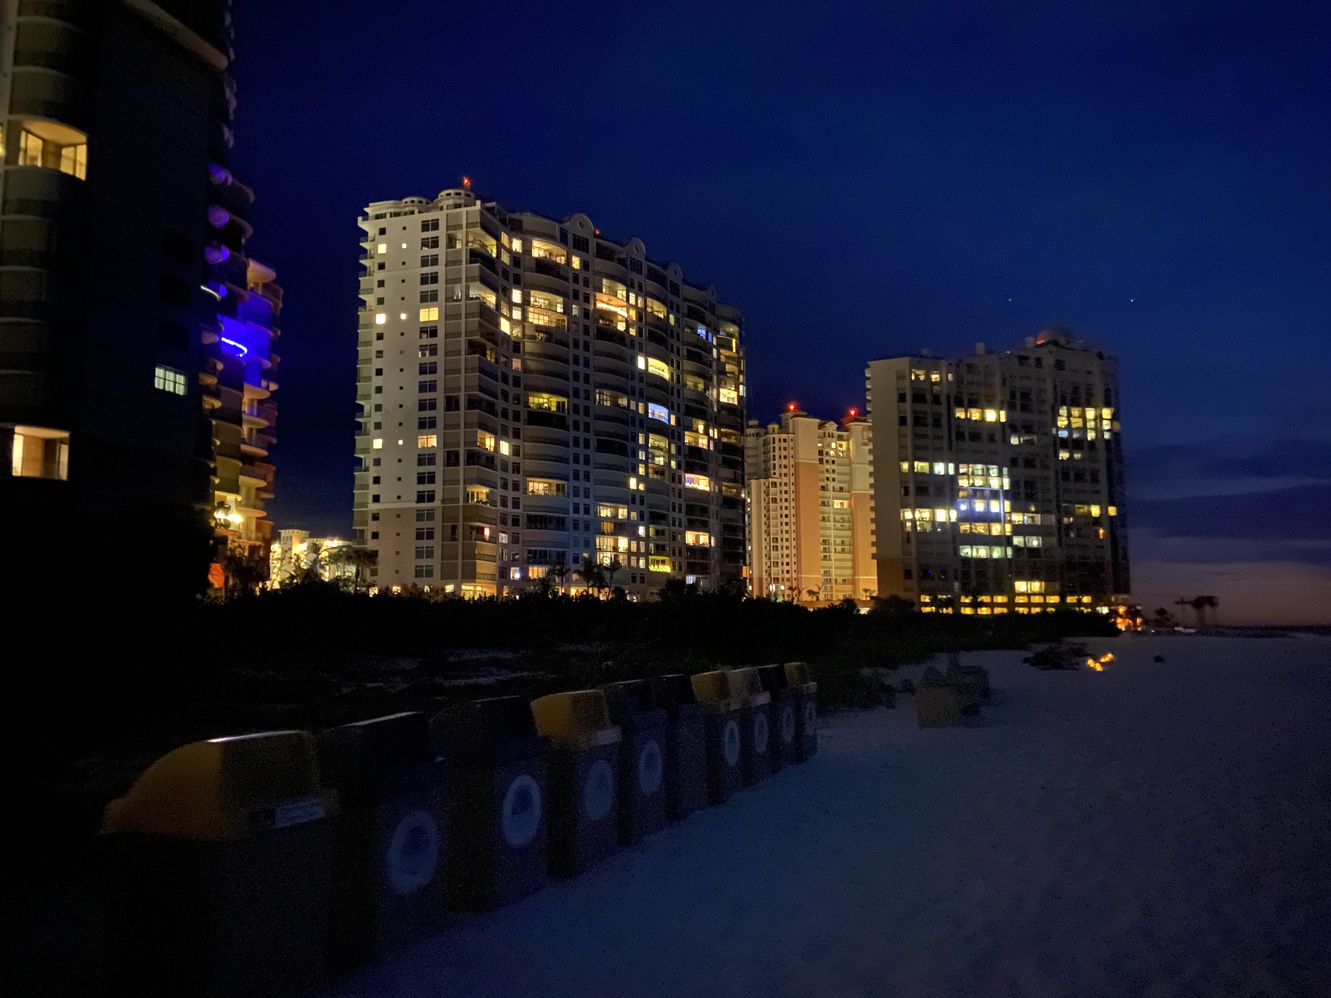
x=146 y=676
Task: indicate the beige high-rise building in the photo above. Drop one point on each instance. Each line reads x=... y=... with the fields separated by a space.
x=998 y=479
x=534 y=396
x=810 y=532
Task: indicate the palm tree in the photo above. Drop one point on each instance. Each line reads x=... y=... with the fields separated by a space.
x=1201 y=603
x=1198 y=604
x=814 y=594
x=312 y=569
x=611 y=568
x=361 y=559
x=593 y=576
x=246 y=569
x=559 y=571
x=1184 y=601
x=1162 y=618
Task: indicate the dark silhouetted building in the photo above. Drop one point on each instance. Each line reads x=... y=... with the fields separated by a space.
x=135 y=335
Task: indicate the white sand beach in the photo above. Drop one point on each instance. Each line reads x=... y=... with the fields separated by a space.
x=1155 y=829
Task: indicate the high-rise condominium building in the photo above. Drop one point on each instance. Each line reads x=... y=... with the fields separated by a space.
x=810 y=532
x=998 y=479
x=534 y=395
x=135 y=335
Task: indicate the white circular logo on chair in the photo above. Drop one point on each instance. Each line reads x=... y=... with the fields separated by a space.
x=598 y=793
x=650 y=769
x=731 y=739
x=760 y=733
x=787 y=724
x=413 y=853
x=520 y=814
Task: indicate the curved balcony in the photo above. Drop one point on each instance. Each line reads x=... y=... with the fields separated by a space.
x=658 y=391
x=544 y=419
x=543 y=440
x=74 y=12
x=612 y=417
x=256 y=473
x=258 y=415
x=40 y=93
x=43 y=193
x=233 y=198
x=555 y=505
x=545 y=381
x=552 y=351
x=614 y=376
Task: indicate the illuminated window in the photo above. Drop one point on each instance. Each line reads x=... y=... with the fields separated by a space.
x=39 y=452
x=168 y=379
x=658 y=412
x=381 y=317
x=424 y=440
x=728 y=396
x=382 y=248
x=546 y=402
x=658 y=447
x=377 y=443
x=700 y=482
x=658 y=563
x=922 y=467
x=546 y=487
x=659 y=368
x=54 y=147
x=430 y=314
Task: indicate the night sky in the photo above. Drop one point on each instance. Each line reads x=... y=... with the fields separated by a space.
x=861 y=182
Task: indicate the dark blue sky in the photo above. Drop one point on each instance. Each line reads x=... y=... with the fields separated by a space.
x=862 y=181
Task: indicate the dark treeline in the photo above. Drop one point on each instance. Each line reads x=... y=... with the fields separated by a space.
x=133 y=681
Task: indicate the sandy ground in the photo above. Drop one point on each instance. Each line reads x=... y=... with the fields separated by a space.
x=1155 y=829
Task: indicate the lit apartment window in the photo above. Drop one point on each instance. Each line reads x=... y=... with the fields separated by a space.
x=168 y=379
x=53 y=147
x=39 y=452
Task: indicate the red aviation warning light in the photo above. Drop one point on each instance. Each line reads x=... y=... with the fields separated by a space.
x=466 y=182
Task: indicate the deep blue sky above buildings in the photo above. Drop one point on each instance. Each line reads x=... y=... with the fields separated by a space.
x=863 y=181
